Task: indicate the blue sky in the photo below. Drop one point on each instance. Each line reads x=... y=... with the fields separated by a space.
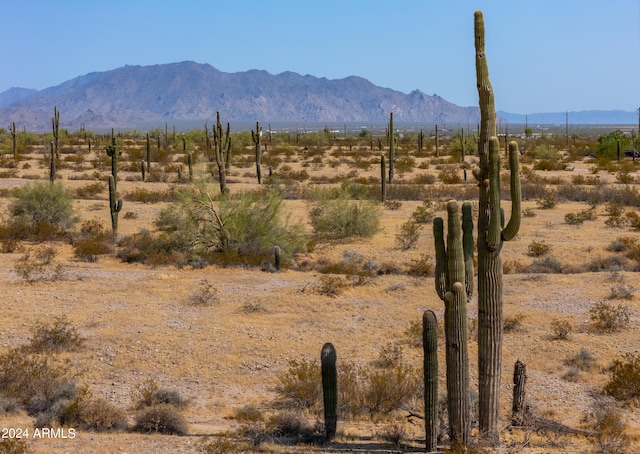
x=544 y=56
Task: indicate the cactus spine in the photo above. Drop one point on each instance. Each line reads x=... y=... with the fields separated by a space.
x=450 y=286
x=329 y=372
x=256 y=136
x=222 y=148
x=490 y=239
x=430 y=347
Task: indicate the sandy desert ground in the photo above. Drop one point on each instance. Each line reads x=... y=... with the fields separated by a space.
x=139 y=322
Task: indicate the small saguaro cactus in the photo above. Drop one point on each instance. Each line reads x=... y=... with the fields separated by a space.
x=190 y=164
x=256 y=136
x=115 y=205
x=277 y=256
x=383 y=178
x=143 y=170
x=329 y=372
x=222 y=148
x=430 y=347
x=450 y=284
x=392 y=148
x=148 y=155
x=437 y=143
x=12 y=130
x=55 y=126
x=420 y=140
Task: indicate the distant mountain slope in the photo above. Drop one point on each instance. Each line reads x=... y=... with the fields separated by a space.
x=587 y=117
x=15 y=94
x=136 y=96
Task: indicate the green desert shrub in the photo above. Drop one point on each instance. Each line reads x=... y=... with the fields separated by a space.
x=339 y=215
x=624 y=383
x=242 y=229
x=40 y=211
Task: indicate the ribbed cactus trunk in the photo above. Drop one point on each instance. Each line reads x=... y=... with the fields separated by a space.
x=450 y=286
x=52 y=163
x=430 y=347
x=256 y=136
x=490 y=239
x=55 y=126
x=115 y=205
x=392 y=148
x=148 y=154
x=328 y=359
x=383 y=178
x=14 y=143
x=222 y=148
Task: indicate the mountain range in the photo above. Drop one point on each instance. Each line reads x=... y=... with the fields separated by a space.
x=189 y=92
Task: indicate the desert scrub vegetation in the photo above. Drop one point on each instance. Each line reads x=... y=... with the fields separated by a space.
x=624 y=382
x=40 y=211
x=337 y=214
x=158 y=410
x=37 y=264
x=607 y=318
x=225 y=230
x=92 y=242
x=375 y=389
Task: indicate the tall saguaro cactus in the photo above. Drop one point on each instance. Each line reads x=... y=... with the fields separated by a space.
x=256 y=136
x=450 y=285
x=430 y=347
x=491 y=236
x=55 y=126
x=383 y=178
x=392 y=148
x=222 y=148
x=329 y=371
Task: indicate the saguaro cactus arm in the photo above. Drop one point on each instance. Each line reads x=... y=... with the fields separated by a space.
x=513 y=226
x=441 y=258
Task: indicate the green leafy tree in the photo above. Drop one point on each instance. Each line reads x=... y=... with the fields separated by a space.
x=608 y=144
